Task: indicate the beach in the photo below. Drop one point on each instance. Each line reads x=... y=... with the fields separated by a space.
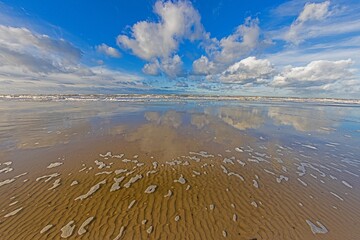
x=187 y=169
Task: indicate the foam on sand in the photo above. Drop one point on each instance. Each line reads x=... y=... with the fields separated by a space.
x=181 y=180
x=55 y=164
x=150 y=229
x=239 y=150
x=224 y=169
x=13 y=212
x=92 y=190
x=236 y=175
x=48 y=177
x=202 y=154
x=255 y=184
x=55 y=184
x=347 y=184
x=83 y=226
x=280 y=178
x=317 y=229
x=46 y=228
x=155 y=165
x=6 y=170
x=240 y=162
x=121 y=233
x=151 y=172
x=119 y=171
x=116 y=184
x=131 y=204
x=228 y=160
x=302 y=182
x=169 y=193
x=309 y=146
x=67 y=230
x=118 y=155
x=104 y=172
x=269 y=172
x=7 y=181
x=100 y=164
x=20 y=175
x=108 y=154
x=335 y=195
x=13 y=203
x=150 y=189
x=73 y=183
x=133 y=180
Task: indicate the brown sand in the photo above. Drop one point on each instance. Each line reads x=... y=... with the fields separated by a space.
x=212 y=203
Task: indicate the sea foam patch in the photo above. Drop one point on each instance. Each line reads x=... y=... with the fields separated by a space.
x=92 y=190
x=317 y=229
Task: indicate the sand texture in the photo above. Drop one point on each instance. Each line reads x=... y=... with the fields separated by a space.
x=159 y=178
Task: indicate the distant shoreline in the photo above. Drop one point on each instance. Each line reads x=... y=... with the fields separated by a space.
x=168 y=97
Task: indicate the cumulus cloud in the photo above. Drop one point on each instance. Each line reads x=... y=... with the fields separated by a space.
x=152 y=68
x=108 y=51
x=316 y=73
x=178 y=21
x=312 y=12
x=171 y=66
x=157 y=42
x=224 y=52
x=248 y=70
x=203 y=66
x=237 y=45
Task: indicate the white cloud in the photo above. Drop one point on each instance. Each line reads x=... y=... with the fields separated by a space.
x=158 y=42
x=171 y=66
x=36 y=63
x=178 y=21
x=312 y=12
x=108 y=51
x=224 y=52
x=36 y=52
x=152 y=68
x=248 y=70
x=13 y=79
x=315 y=74
x=203 y=66
x=237 y=45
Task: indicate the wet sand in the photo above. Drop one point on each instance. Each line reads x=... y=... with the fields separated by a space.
x=180 y=175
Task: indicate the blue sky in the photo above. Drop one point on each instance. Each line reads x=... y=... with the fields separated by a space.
x=270 y=48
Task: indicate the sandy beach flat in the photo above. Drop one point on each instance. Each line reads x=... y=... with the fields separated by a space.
x=175 y=183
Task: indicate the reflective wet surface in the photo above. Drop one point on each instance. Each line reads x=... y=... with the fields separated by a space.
x=179 y=170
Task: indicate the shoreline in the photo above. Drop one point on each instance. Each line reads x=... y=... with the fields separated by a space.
x=170 y=98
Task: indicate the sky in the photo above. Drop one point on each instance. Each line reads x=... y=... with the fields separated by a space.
x=295 y=48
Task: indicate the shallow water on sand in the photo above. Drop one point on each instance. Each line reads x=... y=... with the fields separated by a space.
x=179 y=170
